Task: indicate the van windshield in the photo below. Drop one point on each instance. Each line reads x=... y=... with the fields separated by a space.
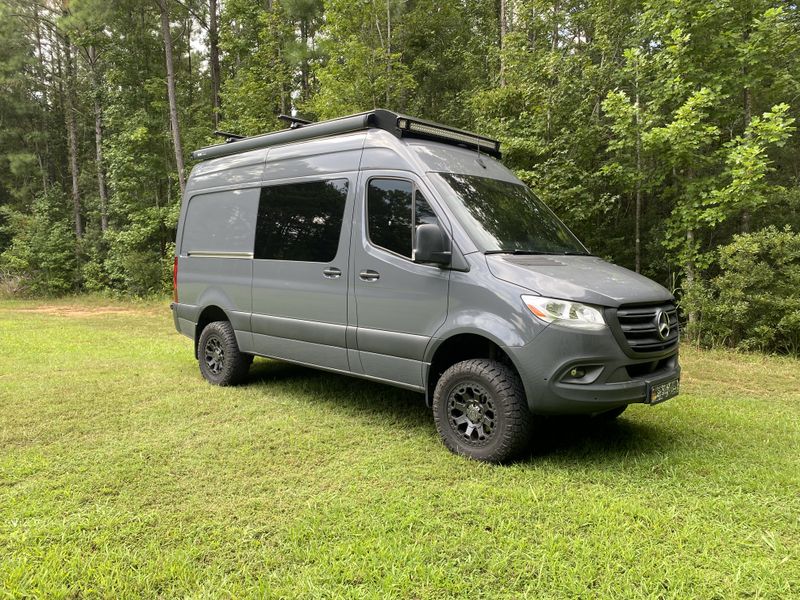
x=501 y=217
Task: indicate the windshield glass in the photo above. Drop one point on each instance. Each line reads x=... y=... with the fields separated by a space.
x=501 y=216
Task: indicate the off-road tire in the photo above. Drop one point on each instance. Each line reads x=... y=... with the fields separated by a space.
x=462 y=390
x=221 y=362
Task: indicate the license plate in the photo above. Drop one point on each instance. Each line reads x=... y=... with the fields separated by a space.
x=660 y=392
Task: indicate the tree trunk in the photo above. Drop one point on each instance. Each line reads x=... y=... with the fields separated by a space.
x=556 y=8
x=72 y=135
x=101 y=170
x=691 y=275
x=101 y=174
x=747 y=102
x=213 y=59
x=304 y=74
x=44 y=154
x=91 y=54
x=503 y=31
x=638 y=211
x=748 y=115
x=388 y=51
x=166 y=34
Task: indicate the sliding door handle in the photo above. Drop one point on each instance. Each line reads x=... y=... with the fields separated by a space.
x=332 y=273
x=369 y=275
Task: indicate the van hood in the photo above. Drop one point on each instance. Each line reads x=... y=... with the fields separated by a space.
x=585 y=279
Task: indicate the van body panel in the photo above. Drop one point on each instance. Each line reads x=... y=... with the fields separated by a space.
x=237 y=169
x=403 y=345
x=296 y=307
x=393 y=369
x=481 y=305
x=446 y=158
x=398 y=313
x=214 y=248
x=543 y=363
x=223 y=282
x=298 y=351
x=377 y=158
x=586 y=279
x=294 y=302
x=315 y=157
x=317 y=332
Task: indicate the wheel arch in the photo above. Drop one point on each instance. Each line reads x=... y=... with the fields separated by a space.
x=460 y=346
x=209 y=314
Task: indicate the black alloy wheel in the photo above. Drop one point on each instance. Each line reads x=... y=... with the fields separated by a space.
x=221 y=361
x=481 y=411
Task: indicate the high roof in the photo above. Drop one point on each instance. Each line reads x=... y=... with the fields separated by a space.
x=396 y=124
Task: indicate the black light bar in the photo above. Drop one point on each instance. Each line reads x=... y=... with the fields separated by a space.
x=425 y=129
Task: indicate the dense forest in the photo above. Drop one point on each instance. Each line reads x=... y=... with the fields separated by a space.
x=662 y=132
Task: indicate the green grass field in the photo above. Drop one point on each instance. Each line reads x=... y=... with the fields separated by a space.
x=123 y=474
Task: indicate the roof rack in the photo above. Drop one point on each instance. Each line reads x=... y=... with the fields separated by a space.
x=399 y=125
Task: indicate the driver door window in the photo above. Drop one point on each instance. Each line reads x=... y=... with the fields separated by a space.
x=391 y=212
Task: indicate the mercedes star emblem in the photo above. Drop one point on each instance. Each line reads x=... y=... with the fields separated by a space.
x=662 y=323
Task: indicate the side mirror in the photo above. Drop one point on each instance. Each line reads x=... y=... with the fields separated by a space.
x=433 y=246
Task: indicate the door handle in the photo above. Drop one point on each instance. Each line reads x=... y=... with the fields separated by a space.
x=332 y=273
x=369 y=275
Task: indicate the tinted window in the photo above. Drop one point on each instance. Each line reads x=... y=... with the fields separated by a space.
x=423 y=214
x=221 y=222
x=300 y=221
x=503 y=216
x=390 y=214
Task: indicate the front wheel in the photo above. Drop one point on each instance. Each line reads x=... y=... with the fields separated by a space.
x=221 y=362
x=481 y=412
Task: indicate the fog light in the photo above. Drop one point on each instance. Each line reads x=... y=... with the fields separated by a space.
x=582 y=374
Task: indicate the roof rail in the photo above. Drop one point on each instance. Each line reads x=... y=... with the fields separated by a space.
x=396 y=124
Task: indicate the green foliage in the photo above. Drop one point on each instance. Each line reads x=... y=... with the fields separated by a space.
x=43 y=250
x=362 y=71
x=754 y=301
x=260 y=88
x=748 y=165
x=675 y=118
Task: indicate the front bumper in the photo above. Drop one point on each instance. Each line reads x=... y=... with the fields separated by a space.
x=611 y=378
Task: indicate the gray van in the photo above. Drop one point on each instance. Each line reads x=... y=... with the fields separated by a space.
x=402 y=251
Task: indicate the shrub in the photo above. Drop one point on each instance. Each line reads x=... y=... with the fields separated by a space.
x=754 y=302
x=43 y=253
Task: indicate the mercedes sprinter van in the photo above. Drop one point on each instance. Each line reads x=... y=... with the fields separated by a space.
x=402 y=251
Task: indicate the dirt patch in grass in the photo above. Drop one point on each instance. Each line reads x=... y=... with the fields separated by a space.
x=84 y=311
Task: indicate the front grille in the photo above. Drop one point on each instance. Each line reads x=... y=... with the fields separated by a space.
x=641 y=330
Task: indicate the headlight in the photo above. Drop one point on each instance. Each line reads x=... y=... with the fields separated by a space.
x=564 y=312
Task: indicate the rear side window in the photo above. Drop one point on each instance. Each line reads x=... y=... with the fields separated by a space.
x=391 y=213
x=220 y=222
x=300 y=221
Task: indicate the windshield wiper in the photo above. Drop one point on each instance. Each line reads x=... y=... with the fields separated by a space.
x=514 y=252
x=529 y=252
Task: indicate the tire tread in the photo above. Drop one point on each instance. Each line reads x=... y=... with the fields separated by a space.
x=237 y=364
x=504 y=383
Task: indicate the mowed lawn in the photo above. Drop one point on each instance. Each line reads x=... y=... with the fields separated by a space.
x=123 y=474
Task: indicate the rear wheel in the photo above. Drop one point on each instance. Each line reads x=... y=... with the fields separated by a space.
x=481 y=412
x=221 y=362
